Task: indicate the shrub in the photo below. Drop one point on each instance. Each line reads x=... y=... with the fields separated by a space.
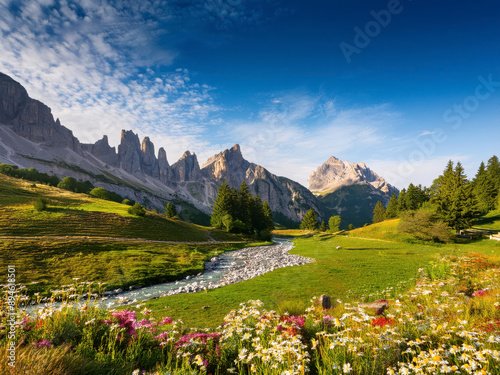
x=170 y=210
x=137 y=210
x=40 y=204
x=105 y=194
x=425 y=225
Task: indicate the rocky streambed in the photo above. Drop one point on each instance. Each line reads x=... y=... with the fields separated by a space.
x=228 y=268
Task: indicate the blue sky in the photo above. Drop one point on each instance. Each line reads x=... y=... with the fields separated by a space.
x=401 y=85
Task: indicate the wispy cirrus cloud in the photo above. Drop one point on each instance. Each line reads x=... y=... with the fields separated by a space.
x=296 y=132
x=103 y=66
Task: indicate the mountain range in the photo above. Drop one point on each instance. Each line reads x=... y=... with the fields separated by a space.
x=30 y=137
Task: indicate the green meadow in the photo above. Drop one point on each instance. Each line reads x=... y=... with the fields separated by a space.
x=79 y=236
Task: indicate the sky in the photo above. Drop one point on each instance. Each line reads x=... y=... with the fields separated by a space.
x=402 y=85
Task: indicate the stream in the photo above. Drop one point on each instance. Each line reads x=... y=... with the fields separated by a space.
x=228 y=268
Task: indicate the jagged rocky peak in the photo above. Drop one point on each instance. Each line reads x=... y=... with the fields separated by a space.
x=103 y=151
x=334 y=174
x=147 y=147
x=226 y=164
x=162 y=158
x=187 y=168
x=129 y=152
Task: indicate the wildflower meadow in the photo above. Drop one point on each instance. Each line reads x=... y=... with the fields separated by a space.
x=448 y=323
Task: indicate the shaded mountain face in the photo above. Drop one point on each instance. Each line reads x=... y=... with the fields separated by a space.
x=30 y=137
x=30 y=118
x=350 y=190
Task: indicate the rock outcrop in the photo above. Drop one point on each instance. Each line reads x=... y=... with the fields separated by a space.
x=32 y=119
x=103 y=151
x=129 y=152
x=187 y=168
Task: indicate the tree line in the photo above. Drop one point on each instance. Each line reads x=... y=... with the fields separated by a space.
x=237 y=211
x=452 y=201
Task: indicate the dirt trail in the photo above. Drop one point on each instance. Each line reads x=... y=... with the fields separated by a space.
x=115 y=239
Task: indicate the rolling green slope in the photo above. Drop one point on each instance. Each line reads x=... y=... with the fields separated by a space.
x=71 y=214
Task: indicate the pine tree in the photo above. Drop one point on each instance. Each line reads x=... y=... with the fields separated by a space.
x=244 y=206
x=268 y=215
x=392 y=208
x=453 y=194
x=412 y=197
x=402 y=207
x=334 y=223
x=378 y=213
x=493 y=169
x=310 y=221
x=322 y=227
x=257 y=216
x=224 y=205
x=484 y=189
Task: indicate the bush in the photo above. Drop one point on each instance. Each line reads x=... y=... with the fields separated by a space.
x=71 y=184
x=170 y=210
x=137 y=210
x=40 y=204
x=105 y=194
x=425 y=225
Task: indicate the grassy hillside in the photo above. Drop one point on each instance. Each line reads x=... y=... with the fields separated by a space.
x=71 y=214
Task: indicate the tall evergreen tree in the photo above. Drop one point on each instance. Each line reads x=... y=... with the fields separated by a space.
x=224 y=205
x=412 y=197
x=268 y=216
x=454 y=197
x=244 y=206
x=484 y=189
x=378 y=213
x=310 y=221
x=402 y=207
x=322 y=227
x=493 y=170
x=392 y=208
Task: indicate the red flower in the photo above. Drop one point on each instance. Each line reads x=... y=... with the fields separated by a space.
x=382 y=321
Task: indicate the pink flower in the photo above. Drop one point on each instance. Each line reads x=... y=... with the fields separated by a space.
x=479 y=293
x=144 y=323
x=165 y=321
x=43 y=343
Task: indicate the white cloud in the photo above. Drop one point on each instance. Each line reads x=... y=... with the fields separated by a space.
x=298 y=132
x=85 y=60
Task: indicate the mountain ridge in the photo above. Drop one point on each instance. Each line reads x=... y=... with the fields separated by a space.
x=30 y=137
